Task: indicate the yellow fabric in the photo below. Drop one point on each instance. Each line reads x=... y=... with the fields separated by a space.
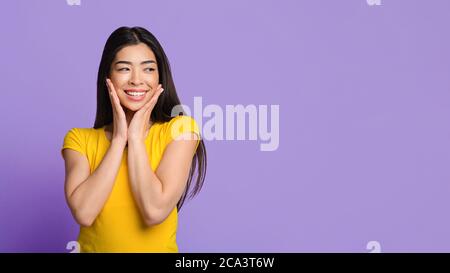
x=119 y=226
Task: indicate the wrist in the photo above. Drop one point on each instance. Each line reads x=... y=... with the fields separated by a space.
x=119 y=141
x=135 y=140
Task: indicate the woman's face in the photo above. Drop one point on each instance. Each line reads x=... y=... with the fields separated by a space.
x=134 y=73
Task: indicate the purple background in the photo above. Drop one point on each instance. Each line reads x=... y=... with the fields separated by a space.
x=364 y=110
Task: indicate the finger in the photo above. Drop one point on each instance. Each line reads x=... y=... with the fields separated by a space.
x=144 y=109
x=152 y=102
x=111 y=96
x=110 y=85
x=148 y=111
x=148 y=106
x=154 y=96
x=159 y=89
x=112 y=90
x=158 y=93
x=115 y=101
x=154 y=91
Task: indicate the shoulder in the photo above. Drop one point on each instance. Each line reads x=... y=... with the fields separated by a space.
x=181 y=119
x=80 y=132
x=79 y=138
x=179 y=125
x=175 y=127
x=182 y=128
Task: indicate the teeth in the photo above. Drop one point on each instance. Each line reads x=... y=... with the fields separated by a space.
x=136 y=94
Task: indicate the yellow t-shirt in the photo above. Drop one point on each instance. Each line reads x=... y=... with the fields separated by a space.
x=119 y=226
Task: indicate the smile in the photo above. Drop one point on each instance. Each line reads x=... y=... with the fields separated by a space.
x=135 y=95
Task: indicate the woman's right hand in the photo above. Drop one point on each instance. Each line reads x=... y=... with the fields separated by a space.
x=120 y=128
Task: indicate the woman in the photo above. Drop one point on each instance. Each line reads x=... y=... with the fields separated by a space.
x=127 y=178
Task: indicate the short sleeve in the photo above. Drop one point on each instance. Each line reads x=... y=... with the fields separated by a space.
x=75 y=141
x=180 y=125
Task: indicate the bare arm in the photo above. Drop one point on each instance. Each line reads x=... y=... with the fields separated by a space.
x=157 y=194
x=86 y=193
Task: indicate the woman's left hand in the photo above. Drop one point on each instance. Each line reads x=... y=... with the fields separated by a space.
x=139 y=123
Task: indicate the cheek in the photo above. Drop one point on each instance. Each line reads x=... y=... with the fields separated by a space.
x=153 y=80
x=119 y=80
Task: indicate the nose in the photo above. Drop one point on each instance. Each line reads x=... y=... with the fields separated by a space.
x=135 y=78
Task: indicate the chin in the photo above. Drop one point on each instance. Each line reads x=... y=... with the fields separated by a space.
x=135 y=106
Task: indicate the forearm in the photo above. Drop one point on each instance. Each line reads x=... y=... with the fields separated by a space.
x=90 y=196
x=146 y=186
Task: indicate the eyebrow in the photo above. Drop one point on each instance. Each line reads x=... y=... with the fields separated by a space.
x=127 y=62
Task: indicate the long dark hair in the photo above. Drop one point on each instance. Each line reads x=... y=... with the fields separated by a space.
x=125 y=36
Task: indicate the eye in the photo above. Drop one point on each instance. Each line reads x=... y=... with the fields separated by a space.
x=149 y=69
x=123 y=69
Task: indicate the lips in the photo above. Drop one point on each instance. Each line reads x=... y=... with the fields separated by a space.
x=136 y=94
